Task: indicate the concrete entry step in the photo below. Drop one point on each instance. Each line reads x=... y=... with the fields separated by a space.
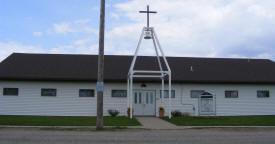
x=155 y=123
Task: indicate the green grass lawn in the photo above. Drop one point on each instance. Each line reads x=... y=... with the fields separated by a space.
x=223 y=121
x=65 y=121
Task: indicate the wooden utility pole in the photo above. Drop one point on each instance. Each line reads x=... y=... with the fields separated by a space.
x=100 y=84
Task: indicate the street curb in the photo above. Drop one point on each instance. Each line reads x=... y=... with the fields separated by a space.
x=134 y=127
x=93 y=127
x=227 y=126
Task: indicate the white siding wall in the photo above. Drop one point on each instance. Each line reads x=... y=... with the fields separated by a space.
x=67 y=102
x=246 y=104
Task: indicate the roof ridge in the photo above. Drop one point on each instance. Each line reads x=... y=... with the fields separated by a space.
x=218 y=58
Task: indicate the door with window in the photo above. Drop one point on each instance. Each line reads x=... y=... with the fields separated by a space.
x=207 y=104
x=144 y=103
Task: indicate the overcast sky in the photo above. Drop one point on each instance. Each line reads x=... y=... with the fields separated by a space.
x=196 y=28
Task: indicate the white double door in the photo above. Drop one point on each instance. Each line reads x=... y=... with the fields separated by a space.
x=144 y=102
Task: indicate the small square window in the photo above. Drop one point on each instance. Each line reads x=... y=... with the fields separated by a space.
x=10 y=91
x=262 y=93
x=166 y=94
x=86 y=93
x=48 y=92
x=119 y=93
x=231 y=94
x=196 y=93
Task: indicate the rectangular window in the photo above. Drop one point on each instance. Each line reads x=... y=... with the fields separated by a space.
x=147 y=98
x=231 y=94
x=151 y=98
x=135 y=98
x=166 y=94
x=196 y=93
x=48 y=92
x=262 y=93
x=139 y=98
x=10 y=91
x=86 y=93
x=119 y=93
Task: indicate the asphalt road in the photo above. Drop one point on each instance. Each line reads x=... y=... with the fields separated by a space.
x=189 y=136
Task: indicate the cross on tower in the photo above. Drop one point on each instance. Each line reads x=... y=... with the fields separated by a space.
x=148 y=12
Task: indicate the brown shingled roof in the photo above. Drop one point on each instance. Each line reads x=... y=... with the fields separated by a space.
x=20 y=66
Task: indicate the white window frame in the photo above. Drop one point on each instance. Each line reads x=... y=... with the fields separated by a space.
x=10 y=94
x=268 y=92
x=231 y=91
x=118 y=96
x=48 y=89
x=93 y=93
x=166 y=94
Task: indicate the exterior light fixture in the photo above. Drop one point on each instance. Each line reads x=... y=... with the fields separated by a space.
x=143 y=85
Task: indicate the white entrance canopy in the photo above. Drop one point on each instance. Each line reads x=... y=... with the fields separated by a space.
x=149 y=33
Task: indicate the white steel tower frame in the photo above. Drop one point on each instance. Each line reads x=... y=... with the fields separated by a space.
x=149 y=33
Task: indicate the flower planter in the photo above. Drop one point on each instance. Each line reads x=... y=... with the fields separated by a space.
x=161 y=113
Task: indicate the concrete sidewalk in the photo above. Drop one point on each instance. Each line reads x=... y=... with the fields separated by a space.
x=156 y=124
